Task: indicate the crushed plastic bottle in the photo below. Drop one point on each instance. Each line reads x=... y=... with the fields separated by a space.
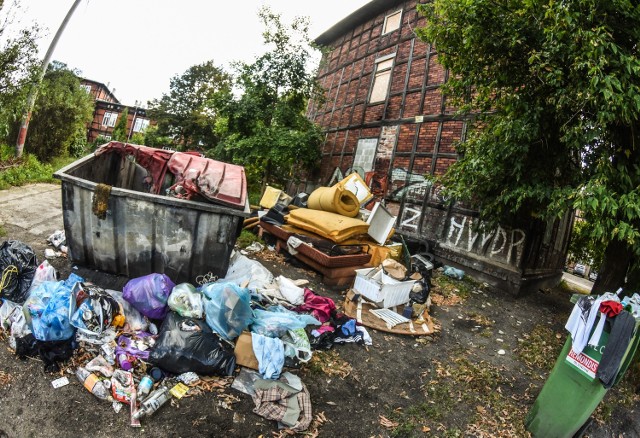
x=153 y=402
x=93 y=383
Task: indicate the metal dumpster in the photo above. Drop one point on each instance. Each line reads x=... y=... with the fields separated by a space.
x=142 y=232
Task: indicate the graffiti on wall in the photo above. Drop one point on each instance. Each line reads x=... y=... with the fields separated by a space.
x=505 y=245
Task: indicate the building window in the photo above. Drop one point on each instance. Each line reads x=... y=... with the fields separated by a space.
x=140 y=125
x=86 y=87
x=109 y=119
x=381 y=80
x=392 y=22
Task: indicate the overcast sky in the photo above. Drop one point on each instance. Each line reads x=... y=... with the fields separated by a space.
x=136 y=46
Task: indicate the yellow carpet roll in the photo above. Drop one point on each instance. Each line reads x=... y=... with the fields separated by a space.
x=335 y=199
x=332 y=226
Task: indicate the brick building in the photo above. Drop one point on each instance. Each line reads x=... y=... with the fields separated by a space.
x=107 y=111
x=385 y=117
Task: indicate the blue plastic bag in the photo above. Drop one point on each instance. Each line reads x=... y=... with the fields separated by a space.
x=149 y=294
x=277 y=320
x=227 y=309
x=47 y=310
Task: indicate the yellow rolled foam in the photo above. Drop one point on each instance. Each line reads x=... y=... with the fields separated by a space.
x=332 y=226
x=335 y=199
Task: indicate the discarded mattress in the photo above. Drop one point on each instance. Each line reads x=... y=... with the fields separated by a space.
x=332 y=226
x=193 y=175
x=334 y=199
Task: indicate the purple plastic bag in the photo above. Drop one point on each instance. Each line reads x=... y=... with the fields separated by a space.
x=138 y=345
x=149 y=294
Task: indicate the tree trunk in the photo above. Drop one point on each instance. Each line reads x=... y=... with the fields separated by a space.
x=617 y=257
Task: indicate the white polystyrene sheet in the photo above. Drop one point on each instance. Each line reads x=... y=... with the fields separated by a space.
x=380 y=223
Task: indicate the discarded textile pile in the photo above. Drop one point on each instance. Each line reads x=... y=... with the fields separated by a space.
x=155 y=340
x=193 y=176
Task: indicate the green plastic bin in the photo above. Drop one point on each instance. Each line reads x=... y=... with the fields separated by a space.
x=571 y=394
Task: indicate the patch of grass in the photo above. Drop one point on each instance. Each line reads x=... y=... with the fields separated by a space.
x=246 y=238
x=27 y=170
x=3 y=231
x=463 y=398
x=454 y=291
x=540 y=347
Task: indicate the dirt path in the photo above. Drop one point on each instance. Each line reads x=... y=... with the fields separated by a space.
x=452 y=384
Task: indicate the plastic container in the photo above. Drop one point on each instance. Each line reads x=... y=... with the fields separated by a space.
x=142 y=232
x=571 y=394
x=93 y=383
x=144 y=387
x=152 y=403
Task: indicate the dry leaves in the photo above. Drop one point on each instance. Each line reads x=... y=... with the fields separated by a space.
x=385 y=422
x=314 y=429
x=5 y=378
x=331 y=363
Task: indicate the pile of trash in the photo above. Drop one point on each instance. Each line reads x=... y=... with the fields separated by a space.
x=155 y=340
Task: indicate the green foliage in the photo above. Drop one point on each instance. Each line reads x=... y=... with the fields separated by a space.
x=246 y=238
x=61 y=113
x=153 y=138
x=120 y=131
x=555 y=89
x=189 y=113
x=18 y=68
x=265 y=129
x=18 y=172
x=584 y=247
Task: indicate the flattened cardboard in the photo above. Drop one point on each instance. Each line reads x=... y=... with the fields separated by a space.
x=244 y=352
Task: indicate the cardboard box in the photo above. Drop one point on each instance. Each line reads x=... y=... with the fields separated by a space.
x=382 y=290
x=244 y=352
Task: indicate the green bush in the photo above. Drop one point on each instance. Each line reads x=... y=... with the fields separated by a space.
x=24 y=171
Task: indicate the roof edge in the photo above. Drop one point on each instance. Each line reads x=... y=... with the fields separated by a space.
x=362 y=14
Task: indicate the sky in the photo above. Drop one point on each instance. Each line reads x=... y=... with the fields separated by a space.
x=137 y=46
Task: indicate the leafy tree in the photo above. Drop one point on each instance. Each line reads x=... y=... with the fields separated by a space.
x=18 y=67
x=120 y=131
x=265 y=129
x=189 y=112
x=152 y=137
x=60 y=115
x=582 y=246
x=555 y=88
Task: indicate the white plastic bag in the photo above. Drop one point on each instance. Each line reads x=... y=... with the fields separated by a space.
x=44 y=272
x=186 y=301
x=133 y=318
x=291 y=292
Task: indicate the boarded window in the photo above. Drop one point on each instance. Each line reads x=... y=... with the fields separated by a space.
x=392 y=22
x=380 y=87
x=365 y=154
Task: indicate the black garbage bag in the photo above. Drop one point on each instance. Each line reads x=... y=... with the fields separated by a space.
x=420 y=291
x=18 y=264
x=188 y=344
x=51 y=352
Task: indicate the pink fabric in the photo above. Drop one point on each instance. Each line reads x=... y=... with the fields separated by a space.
x=320 y=307
x=216 y=181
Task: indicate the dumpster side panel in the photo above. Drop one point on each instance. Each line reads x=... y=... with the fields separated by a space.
x=144 y=233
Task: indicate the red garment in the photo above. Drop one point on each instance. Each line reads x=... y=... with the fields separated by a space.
x=610 y=308
x=320 y=307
